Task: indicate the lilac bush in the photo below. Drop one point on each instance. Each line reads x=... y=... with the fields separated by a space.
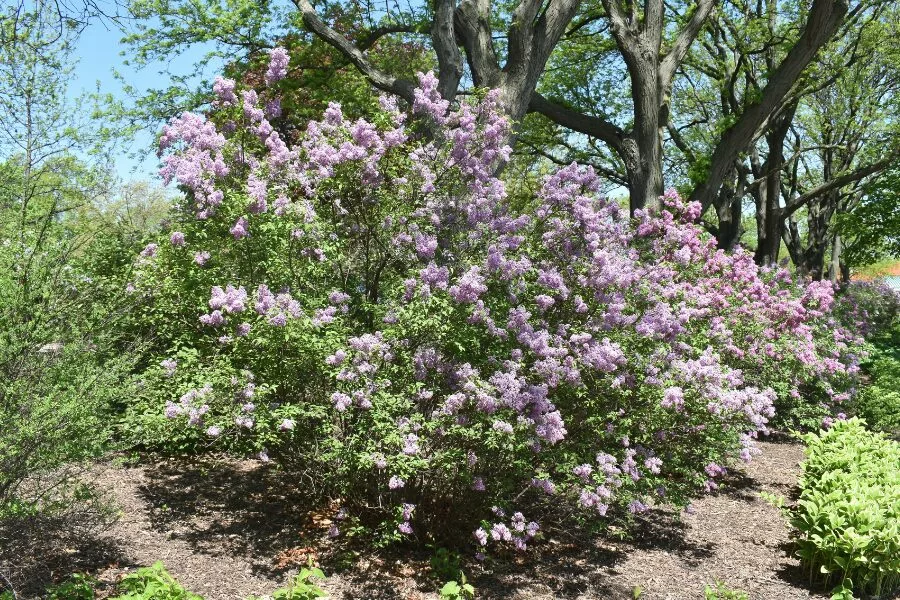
x=442 y=349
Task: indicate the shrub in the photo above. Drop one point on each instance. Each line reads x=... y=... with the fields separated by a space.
x=152 y=583
x=458 y=590
x=847 y=519
x=78 y=586
x=442 y=355
x=722 y=592
x=59 y=372
x=870 y=307
x=302 y=587
x=879 y=401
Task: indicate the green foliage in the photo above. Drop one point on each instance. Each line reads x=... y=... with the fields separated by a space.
x=445 y=564
x=872 y=227
x=879 y=402
x=237 y=34
x=153 y=583
x=847 y=519
x=776 y=500
x=722 y=592
x=458 y=590
x=61 y=366
x=880 y=405
x=77 y=587
x=303 y=587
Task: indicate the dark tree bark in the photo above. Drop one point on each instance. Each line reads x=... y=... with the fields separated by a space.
x=824 y=18
x=729 y=207
x=769 y=217
x=535 y=30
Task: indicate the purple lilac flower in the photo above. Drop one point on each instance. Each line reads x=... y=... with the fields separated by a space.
x=177 y=239
x=224 y=90
x=278 y=64
x=469 y=287
x=502 y=427
x=169 y=365
x=240 y=229
x=482 y=536
x=341 y=401
x=636 y=506
x=149 y=250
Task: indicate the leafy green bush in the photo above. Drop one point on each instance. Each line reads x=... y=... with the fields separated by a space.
x=880 y=406
x=78 y=586
x=871 y=307
x=458 y=590
x=848 y=515
x=60 y=367
x=879 y=402
x=153 y=583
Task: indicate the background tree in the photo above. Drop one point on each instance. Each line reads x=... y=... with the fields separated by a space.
x=509 y=47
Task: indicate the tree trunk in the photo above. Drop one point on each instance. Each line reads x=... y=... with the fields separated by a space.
x=834 y=271
x=647 y=177
x=728 y=235
x=769 y=216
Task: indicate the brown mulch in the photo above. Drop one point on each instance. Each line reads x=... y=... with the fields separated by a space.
x=228 y=529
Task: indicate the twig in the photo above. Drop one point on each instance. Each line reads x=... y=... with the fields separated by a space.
x=9 y=585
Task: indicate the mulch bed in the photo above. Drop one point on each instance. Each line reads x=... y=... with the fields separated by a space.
x=227 y=529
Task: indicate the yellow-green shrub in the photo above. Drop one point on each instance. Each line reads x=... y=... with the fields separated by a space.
x=848 y=515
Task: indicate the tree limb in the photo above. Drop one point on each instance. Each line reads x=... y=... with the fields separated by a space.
x=824 y=18
x=676 y=54
x=379 y=78
x=596 y=127
x=836 y=183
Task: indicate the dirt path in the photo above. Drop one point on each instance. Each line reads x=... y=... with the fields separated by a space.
x=224 y=529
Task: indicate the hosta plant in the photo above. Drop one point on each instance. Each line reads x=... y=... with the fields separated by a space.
x=847 y=519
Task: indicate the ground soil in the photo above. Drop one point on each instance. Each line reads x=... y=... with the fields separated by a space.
x=228 y=529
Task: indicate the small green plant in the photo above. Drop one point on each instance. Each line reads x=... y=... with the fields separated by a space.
x=847 y=519
x=153 y=583
x=458 y=590
x=776 y=500
x=636 y=592
x=723 y=592
x=445 y=564
x=303 y=587
x=77 y=587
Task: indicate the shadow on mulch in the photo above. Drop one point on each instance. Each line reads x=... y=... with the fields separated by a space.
x=257 y=513
x=798 y=577
x=660 y=530
x=42 y=550
x=226 y=507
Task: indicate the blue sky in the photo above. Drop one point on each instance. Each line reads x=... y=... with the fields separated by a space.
x=100 y=53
